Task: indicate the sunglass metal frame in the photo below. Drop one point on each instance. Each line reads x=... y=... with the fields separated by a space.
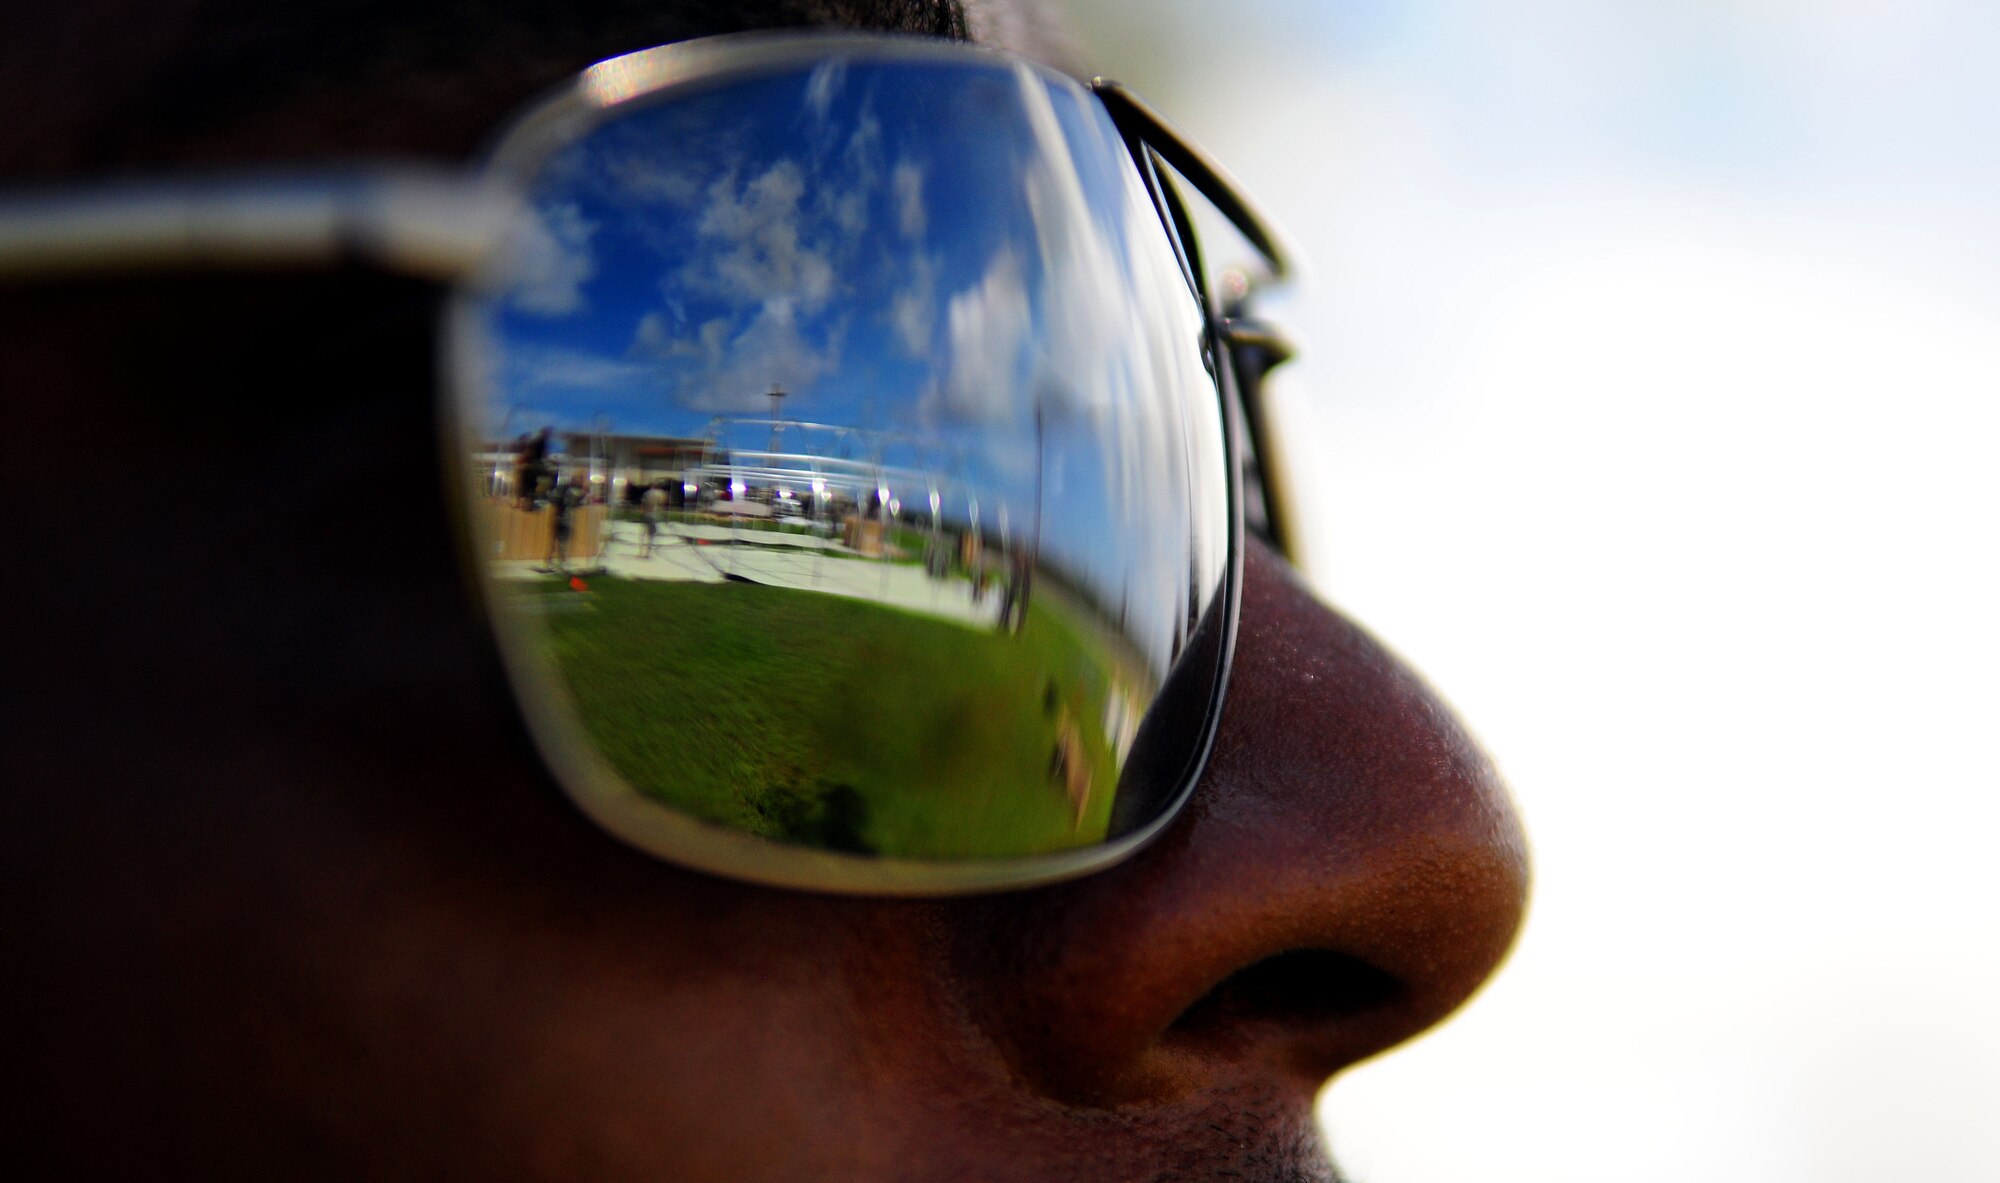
x=449 y=227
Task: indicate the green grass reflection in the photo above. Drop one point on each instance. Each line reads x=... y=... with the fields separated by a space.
x=841 y=723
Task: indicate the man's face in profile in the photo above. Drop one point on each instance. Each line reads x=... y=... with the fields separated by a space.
x=292 y=893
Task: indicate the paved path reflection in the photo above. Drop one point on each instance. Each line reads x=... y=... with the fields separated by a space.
x=689 y=552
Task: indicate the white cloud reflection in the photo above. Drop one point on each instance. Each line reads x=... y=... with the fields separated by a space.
x=986 y=332
x=771 y=351
x=826 y=82
x=552 y=261
x=913 y=311
x=908 y=182
x=760 y=253
x=537 y=372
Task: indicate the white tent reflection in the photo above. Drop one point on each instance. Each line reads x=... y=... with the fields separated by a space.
x=819 y=507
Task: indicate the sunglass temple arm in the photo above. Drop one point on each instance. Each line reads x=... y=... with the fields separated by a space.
x=414 y=221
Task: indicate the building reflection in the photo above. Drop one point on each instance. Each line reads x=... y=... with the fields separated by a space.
x=812 y=506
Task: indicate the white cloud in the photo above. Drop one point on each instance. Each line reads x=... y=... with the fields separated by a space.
x=843 y=196
x=552 y=261
x=826 y=82
x=770 y=351
x=908 y=184
x=913 y=311
x=641 y=178
x=1116 y=346
x=542 y=369
x=849 y=211
x=987 y=328
x=862 y=157
x=762 y=257
x=1086 y=292
x=657 y=336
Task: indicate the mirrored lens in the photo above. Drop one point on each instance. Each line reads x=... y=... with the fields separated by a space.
x=847 y=470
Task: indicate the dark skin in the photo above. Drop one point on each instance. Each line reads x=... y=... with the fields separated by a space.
x=289 y=893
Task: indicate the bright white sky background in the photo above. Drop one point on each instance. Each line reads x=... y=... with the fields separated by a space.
x=1651 y=409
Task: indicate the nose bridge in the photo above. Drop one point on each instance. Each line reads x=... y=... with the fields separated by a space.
x=1349 y=871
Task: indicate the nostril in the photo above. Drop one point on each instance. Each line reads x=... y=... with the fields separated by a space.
x=1296 y=988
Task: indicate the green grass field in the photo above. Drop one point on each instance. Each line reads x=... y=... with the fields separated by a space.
x=837 y=722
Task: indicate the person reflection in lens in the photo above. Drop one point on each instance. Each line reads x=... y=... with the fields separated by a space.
x=290 y=894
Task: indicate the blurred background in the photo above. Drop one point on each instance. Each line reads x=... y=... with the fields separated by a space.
x=1649 y=406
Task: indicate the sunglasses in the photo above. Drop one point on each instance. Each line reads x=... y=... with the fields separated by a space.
x=852 y=454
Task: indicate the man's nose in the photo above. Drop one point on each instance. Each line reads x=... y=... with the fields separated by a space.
x=1348 y=872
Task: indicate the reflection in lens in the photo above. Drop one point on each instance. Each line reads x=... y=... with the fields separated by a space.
x=846 y=441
